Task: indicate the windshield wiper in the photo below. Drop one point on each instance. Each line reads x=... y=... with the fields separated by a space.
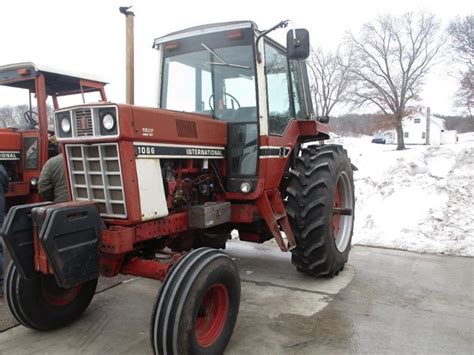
x=222 y=61
x=229 y=65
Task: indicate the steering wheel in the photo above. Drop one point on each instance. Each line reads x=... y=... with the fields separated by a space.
x=28 y=115
x=211 y=101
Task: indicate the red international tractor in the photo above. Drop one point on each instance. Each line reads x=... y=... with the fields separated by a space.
x=25 y=147
x=233 y=144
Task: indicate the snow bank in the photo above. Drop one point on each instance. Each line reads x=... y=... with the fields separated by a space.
x=419 y=199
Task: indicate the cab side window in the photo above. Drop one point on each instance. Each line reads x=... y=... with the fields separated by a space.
x=276 y=72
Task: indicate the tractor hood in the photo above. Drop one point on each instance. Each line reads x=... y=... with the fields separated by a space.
x=167 y=126
x=135 y=123
x=10 y=144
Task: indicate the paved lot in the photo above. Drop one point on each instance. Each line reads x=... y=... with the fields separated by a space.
x=384 y=301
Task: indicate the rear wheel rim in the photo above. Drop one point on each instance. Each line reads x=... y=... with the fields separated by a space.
x=55 y=295
x=343 y=212
x=212 y=315
x=336 y=218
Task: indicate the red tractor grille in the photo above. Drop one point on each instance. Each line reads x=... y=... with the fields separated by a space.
x=95 y=174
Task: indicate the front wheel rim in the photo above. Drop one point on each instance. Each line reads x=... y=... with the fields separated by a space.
x=343 y=212
x=55 y=295
x=212 y=315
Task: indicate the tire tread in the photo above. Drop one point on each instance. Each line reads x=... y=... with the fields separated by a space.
x=309 y=208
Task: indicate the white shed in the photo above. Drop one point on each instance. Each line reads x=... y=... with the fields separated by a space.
x=415 y=130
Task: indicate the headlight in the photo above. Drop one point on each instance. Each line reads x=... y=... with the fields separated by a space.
x=245 y=187
x=34 y=181
x=108 y=122
x=66 y=125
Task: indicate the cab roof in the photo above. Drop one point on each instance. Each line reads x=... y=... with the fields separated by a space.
x=58 y=81
x=204 y=29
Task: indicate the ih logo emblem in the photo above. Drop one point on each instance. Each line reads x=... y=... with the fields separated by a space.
x=83 y=124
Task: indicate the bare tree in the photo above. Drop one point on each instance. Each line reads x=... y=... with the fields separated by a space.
x=14 y=116
x=330 y=80
x=7 y=116
x=391 y=57
x=461 y=31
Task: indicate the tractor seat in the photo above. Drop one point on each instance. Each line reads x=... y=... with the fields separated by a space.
x=245 y=114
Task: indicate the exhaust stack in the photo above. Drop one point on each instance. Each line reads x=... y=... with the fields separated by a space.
x=130 y=70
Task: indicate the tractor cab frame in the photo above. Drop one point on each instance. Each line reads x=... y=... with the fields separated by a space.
x=234 y=73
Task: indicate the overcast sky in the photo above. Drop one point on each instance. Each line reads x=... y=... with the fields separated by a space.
x=89 y=36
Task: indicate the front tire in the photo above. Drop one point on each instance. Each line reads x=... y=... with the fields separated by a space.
x=321 y=209
x=197 y=306
x=39 y=303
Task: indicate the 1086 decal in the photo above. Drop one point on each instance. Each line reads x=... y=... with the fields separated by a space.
x=144 y=150
x=178 y=151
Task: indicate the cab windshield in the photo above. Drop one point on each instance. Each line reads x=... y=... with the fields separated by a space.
x=217 y=81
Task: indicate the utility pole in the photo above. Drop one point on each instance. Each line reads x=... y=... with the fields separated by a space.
x=130 y=71
x=428 y=124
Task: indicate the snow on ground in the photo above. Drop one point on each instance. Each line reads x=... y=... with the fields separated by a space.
x=419 y=199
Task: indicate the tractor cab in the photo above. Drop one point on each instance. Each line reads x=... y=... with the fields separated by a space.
x=24 y=125
x=233 y=72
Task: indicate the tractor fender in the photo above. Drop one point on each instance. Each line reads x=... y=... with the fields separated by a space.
x=70 y=234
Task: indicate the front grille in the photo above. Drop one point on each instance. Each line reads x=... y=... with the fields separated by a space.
x=96 y=174
x=83 y=119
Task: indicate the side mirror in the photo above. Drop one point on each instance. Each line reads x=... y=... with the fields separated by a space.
x=297 y=43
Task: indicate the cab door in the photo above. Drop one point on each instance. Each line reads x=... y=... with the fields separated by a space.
x=286 y=104
x=242 y=153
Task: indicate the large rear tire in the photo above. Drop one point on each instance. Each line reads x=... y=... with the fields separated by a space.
x=39 y=303
x=320 y=207
x=197 y=306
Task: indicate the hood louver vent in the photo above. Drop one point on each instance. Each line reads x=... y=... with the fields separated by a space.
x=186 y=129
